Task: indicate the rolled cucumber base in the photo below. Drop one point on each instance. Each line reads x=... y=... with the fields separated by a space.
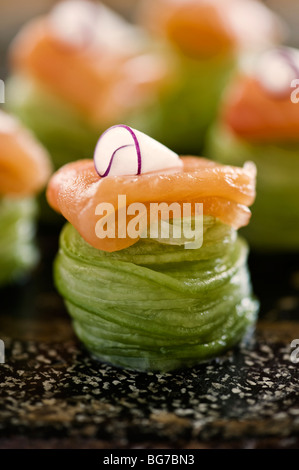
x=156 y=307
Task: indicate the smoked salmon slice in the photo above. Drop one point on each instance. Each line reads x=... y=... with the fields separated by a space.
x=255 y=115
x=24 y=165
x=225 y=191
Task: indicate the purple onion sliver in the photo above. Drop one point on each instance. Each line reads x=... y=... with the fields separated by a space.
x=137 y=147
x=111 y=160
x=87 y=30
x=289 y=59
x=139 y=168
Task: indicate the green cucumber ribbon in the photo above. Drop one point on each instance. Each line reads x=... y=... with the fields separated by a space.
x=154 y=306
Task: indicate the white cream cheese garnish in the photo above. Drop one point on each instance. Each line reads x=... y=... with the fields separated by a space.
x=255 y=26
x=8 y=124
x=122 y=150
x=277 y=68
x=81 y=23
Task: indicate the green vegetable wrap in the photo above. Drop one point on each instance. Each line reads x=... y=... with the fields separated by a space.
x=17 y=229
x=275 y=220
x=154 y=306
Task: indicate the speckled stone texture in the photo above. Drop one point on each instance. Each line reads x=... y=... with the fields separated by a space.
x=52 y=394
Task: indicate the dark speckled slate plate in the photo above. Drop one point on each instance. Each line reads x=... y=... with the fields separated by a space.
x=53 y=394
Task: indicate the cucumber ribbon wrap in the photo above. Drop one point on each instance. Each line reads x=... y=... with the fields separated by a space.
x=155 y=306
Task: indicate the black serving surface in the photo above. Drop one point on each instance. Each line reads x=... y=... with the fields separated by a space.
x=53 y=395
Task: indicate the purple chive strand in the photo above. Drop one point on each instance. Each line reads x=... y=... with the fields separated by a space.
x=137 y=147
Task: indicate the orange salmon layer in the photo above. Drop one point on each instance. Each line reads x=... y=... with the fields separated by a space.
x=255 y=114
x=226 y=192
x=24 y=165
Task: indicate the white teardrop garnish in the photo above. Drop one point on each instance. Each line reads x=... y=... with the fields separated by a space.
x=276 y=69
x=253 y=23
x=8 y=124
x=73 y=22
x=79 y=23
x=122 y=150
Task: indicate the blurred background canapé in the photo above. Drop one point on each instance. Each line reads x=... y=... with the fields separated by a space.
x=14 y=13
